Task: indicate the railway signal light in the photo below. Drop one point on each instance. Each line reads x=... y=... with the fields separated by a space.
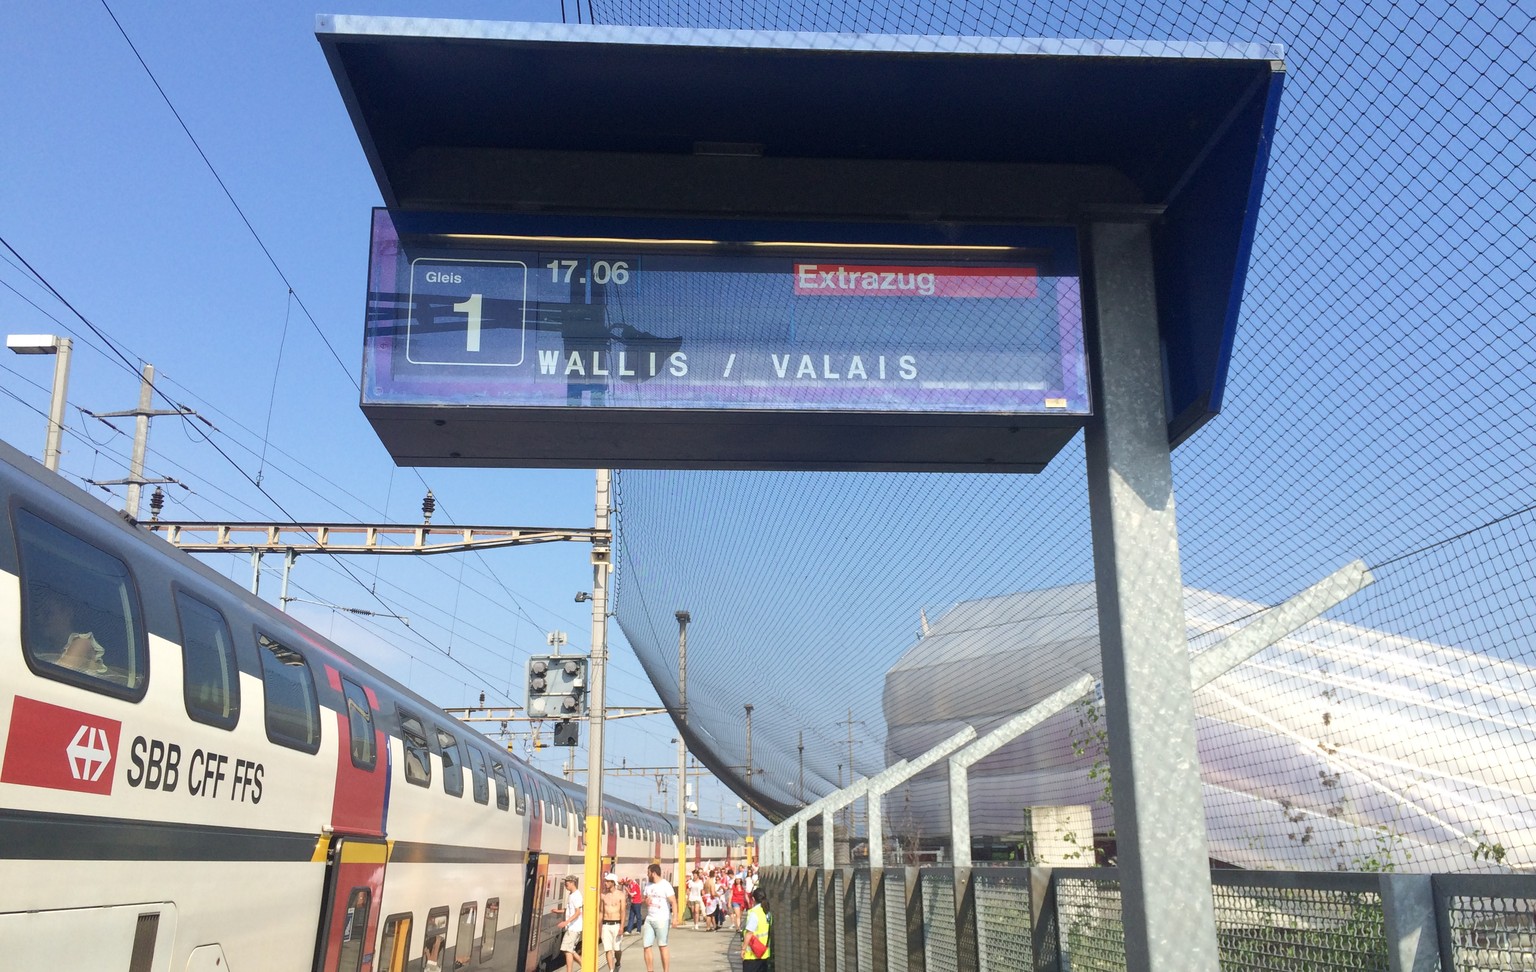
x=557 y=687
x=567 y=734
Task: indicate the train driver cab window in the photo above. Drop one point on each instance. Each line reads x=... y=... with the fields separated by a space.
x=453 y=766
x=418 y=761
x=210 y=680
x=80 y=619
x=477 y=774
x=500 y=773
x=359 y=725
x=293 y=713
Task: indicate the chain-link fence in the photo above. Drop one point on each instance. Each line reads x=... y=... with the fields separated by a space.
x=1267 y=922
x=1378 y=406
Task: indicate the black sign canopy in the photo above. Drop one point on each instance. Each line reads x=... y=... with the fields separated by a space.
x=656 y=247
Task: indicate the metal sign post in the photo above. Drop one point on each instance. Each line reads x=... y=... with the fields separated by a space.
x=602 y=562
x=1170 y=916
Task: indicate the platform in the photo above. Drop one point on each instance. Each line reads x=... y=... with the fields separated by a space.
x=691 y=951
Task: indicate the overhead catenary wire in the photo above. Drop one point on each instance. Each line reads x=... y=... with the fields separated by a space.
x=229 y=195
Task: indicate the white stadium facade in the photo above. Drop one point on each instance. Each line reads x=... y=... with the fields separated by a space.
x=1340 y=747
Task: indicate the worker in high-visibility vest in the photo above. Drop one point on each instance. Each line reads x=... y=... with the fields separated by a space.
x=756 y=939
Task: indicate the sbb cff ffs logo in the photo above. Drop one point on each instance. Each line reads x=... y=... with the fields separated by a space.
x=557 y=687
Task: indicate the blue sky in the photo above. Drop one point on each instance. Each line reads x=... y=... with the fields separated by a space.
x=1379 y=400
x=106 y=197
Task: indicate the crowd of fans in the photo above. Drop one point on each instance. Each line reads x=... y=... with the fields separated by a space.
x=720 y=893
x=713 y=897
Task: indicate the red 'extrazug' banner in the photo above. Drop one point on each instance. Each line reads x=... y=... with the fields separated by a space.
x=59 y=748
x=860 y=280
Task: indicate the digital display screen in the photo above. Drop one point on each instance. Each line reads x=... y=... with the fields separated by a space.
x=492 y=311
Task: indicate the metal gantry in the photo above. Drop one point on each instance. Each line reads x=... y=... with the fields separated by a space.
x=302 y=538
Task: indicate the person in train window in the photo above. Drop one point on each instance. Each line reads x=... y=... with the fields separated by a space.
x=571 y=943
x=432 y=952
x=78 y=650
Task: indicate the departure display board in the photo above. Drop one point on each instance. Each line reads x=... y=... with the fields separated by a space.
x=518 y=312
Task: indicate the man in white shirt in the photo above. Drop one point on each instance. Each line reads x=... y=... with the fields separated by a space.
x=660 y=915
x=571 y=943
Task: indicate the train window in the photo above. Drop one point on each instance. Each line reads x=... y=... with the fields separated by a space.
x=519 y=791
x=488 y=933
x=395 y=943
x=293 y=714
x=80 y=612
x=477 y=775
x=418 y=762
x=500 y=773
x=359 y=725
x=354 y=931
x=464 y=941
x=453 y=768
x=435 y=941
x=210 y=679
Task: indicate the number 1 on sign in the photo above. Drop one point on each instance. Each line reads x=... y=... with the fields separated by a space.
x=471 y=309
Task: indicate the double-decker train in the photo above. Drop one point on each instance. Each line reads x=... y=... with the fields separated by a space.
x=191 y=780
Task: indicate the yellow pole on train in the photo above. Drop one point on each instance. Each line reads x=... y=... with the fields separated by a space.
x=602 y=563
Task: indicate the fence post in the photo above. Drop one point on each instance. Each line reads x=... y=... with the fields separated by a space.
x=1045 y=939
x=1408 y=906
x=812 y=912
x=917 y=953
x=878 y=960
x=850 y=916
x=831 y=917
x=967 y=945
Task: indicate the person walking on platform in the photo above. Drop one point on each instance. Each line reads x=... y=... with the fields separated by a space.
x=570 y=944
x=661 y=914
x=614 y=904
x=756 y=942
x=738 y=904
x=636 y=907
x=696 y=899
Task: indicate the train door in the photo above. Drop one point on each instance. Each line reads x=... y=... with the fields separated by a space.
x=530 y=935
x=349 y=918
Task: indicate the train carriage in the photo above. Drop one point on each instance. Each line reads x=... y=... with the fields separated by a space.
x=189 y=779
